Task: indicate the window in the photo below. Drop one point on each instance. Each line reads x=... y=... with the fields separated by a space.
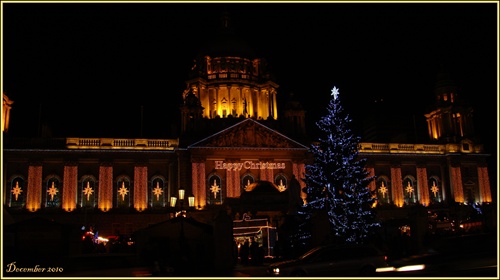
x=469 y=192
x=158 y=192
x=123 y=192
x=87 y=192
x=435 y=190
x=52 y=192
x=214 y=190
x=281 y=181
x=246 y=181
x=383 y=190
x=409 y=190
x=17 y=192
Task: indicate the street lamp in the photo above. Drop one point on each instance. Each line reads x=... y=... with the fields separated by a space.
x=182 y=195
x=182 y=213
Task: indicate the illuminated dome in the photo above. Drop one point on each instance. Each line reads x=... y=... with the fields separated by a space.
x=229 y=81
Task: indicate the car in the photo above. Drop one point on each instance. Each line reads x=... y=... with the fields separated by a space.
x=332 y=261
x=462 y=255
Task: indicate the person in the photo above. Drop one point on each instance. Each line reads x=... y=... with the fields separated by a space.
x=254 y=252
x=244 y=252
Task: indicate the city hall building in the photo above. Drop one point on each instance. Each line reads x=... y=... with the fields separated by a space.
x=234 y=153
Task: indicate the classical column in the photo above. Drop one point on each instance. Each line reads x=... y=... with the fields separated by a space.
x=397 y=186
x=423 y=186
x=484 y=184
x=7 y=106
x=70 y=187
x=140 y=188
x=105 y=196
x=275 y=105
x=34 y=192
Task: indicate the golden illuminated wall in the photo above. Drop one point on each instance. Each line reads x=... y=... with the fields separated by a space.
x=70 y=187
x=34 y=195
x=299 y=171
x=6 y=107
x=373 y=185
x=456 y=184
x=267 y=175
x=199 y=184
x=232 y=183
x=140 y=188
x=397 y=186
x=423 y=186
x=484 y=185
x=105 y=188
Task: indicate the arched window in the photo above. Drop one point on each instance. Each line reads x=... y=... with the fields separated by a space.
x=470 y=191
x=435 y=190
x=158 y=192
x=87 y=192
x=52 y=192
x=246 y=181
x=281 y=181
x=383 y=190
x=410 y=190
x=17 y=192
x=123 y=192
x=215 y=192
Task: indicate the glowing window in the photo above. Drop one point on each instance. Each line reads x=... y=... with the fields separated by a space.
x=157 y=192
x=281 y=181
x=17 y=192
x=88 y=192
x=409 y=191
x=434 y=190
x=246 y=181
x=123 y=192
x=383 y=191
x=52 y=192
x=215 y=193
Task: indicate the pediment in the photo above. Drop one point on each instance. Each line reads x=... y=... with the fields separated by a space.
x=251 y=134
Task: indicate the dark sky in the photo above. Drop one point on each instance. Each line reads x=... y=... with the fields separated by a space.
x=86 y=68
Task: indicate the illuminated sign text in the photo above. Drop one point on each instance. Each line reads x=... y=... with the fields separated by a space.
x=237 y=166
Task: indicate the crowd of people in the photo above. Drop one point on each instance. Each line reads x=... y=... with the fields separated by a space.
x=251 y=252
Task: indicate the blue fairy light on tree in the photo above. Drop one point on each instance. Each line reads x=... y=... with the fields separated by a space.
x=337 y=181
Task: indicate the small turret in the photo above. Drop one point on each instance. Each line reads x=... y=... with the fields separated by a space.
x=451 y=120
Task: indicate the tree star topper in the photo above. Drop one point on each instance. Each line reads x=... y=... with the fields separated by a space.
x=335 y=92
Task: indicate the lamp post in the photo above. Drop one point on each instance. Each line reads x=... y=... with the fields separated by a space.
x=182 y=213
x=173 y=203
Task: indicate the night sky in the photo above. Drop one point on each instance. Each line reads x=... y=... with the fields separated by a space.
x=85 y=69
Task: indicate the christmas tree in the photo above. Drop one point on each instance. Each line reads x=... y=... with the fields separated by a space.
x=337 y=181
